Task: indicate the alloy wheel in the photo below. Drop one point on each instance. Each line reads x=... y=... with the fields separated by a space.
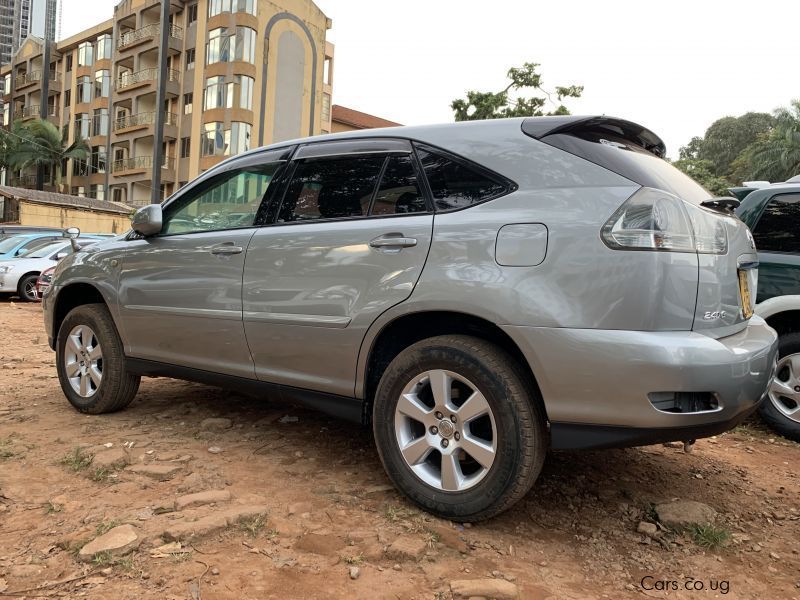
x=83 y=361
x=784 y=390
x=445 y=430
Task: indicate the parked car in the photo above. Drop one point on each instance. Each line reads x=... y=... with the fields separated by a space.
x=477 y=292
x=43 y=281
x=18 y=276
x=21 y=244
x=7 y=231
x=773 y=215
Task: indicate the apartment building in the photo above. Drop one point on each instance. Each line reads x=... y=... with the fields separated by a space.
x=21 y=18
x=236 y=74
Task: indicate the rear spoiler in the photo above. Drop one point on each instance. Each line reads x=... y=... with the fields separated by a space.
x=540 y=127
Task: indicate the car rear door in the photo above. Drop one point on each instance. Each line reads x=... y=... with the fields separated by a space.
x=348 y=240
x=181 y=291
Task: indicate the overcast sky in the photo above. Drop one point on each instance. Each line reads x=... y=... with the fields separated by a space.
x=672 y=66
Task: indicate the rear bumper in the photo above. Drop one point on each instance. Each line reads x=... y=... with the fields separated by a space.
x=596 y=383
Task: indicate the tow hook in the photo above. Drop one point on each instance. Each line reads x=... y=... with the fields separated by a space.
x=688 y=446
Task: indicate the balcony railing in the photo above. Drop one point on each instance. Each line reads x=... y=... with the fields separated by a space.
x=145 y=118
x=148 y=31
x=129 y=79
x=33 y=111
x=140 y=162
x=32 y=77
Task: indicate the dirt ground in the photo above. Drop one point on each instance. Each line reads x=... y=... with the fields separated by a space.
x=311 y=514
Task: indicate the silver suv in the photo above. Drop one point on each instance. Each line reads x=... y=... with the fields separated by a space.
x=477 y=292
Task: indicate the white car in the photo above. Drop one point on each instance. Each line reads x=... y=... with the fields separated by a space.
x=19 y=275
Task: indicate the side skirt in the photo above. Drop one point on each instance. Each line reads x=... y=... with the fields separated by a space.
x=342 y=407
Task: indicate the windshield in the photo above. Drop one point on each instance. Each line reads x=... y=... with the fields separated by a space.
x=47 y=250
x=10 y=243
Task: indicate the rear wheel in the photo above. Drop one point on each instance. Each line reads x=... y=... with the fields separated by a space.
x=781 y=409
x=27 y=288
x=458 y=427
x=90 y=362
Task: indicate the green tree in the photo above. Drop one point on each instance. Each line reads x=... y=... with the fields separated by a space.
x=702 y=171
x=776 y=156
x=497 y=105
x=40 y=143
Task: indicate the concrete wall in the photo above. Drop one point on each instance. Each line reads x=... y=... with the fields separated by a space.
x=32 y=213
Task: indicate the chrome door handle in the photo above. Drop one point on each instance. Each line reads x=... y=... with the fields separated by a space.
x=393 y=241
x=226 y=249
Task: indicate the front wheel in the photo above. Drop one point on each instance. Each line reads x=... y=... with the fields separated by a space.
x=26 y=290
x=781 y=409
x=90 y=362
x=459 y=427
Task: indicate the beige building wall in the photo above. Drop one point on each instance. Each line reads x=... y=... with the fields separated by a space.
x=88 y=221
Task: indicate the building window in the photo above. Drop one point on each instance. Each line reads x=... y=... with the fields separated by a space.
x=186 y=147
x=67 y=98
x=85 y=54
x=243 y=90
x=215 y=93
x=190 y=59
x=191 y=14
x=82 y=125
x=80 y=168
x=117 y=194
x=7 y=83
x=104 y=47
x=84 y=89
x=214 y=140
x=100 y=122
x=69 y=62
x=224 y=46
x=102 y=83
x=79 y=190
x=216 y=7
x=239 y=138
x=99 y=159
x=98 y=191
x=187 y=104
x=326 y=108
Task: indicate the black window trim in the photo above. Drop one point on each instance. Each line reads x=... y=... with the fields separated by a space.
x=509 y=185
x=381 y=146
x=761 y=214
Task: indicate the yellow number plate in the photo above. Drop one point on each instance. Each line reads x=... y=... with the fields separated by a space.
x=744 y=293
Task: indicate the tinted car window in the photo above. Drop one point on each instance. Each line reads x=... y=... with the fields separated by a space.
x=399 y=191
x=228 y=201
x=331 y=188
x=454 y=184
x=777 y=229
x=35 y=243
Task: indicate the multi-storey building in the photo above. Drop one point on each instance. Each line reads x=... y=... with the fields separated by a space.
x=236 y=74
x=21 y=18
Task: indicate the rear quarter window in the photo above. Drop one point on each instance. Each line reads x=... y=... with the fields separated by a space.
x=777 y=228
x=456 y=183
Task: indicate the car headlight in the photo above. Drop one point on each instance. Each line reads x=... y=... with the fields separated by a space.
x=6 y=269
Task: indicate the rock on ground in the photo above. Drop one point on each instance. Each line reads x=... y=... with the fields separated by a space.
x=116 y=458
x=484 y=588
x=684 y=513
x=406 y=548
x=201 y=498
x=216 y=424
x=118 y=542
x=211 y=524
x=157 y=472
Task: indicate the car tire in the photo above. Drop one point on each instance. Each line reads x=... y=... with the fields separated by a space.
x=26 y=289
x=91 y=363
x=495 y=407
x=776 y=409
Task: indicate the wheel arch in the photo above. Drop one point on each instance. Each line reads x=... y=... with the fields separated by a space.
x=398 y=333
x=71 y=296
x=782 y=313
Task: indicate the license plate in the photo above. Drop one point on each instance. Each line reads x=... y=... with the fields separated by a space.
x=744 y=294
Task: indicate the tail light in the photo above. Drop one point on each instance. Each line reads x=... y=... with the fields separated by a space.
x=656 y=220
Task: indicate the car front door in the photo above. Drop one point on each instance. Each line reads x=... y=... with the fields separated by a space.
x=778 y=246
x=181 y=290
x=348 y=240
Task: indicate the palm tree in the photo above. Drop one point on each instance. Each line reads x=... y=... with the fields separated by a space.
x=776 y=156
x=41 y=145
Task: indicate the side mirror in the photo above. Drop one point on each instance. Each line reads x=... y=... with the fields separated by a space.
x=147 y=220
x=71 y=233
x=61 y=255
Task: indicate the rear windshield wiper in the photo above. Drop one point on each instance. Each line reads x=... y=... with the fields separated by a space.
x=725 y=203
